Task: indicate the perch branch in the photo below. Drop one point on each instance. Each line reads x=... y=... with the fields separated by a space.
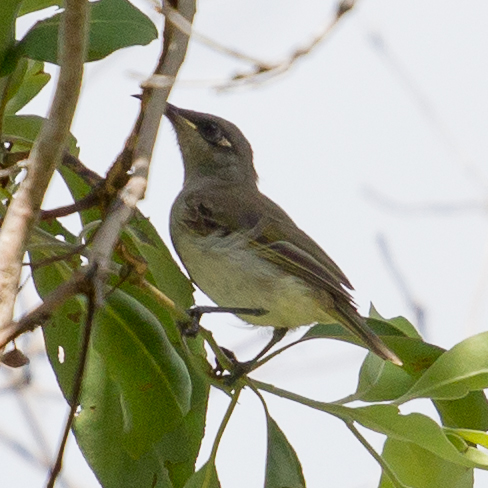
x=46 y=153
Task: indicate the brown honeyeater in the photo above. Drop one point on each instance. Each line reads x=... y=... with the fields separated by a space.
x=241 y=249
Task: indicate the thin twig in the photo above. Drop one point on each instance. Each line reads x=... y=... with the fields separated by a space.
x=44 y=157
x=261 y=71
x=223 y=425
x=92 y=199
x=77 y=284
x=379 y=459
x=77 y=382
x=4 y=173
x=400 y=281
x=141 y=143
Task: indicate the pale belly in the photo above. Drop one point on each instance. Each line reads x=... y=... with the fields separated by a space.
x=234 y=277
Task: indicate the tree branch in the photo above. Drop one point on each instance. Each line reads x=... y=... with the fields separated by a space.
x=139 y=146
x=44 y=157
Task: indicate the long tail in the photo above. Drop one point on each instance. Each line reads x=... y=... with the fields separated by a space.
x=349 y=318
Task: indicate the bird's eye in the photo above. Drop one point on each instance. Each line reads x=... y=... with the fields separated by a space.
x=212 y=133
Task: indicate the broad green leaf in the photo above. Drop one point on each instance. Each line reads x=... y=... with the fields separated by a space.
x=418 y=429
x=29 y=79
x=381 y=381
x=415 y=427
x=22 y=130
x=283 y=469
x=475 y=436
x=114 y=24
x=99 y=430
x=401 y=323
x=419 y=468
x=102 y=432
x=153 y=381
x=140 y=236
x=470 y=412
x=457 y=372
x=29 y=6
x=205 y=477
x=194 y=422
x=8 y=14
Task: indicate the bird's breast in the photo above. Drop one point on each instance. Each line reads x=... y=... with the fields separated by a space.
x=233 y=274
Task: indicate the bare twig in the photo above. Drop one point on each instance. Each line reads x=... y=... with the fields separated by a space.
x=45 y=155
x=77 y=381
x=416 y=308
x=77 y=284
x=140 y=144
x=13 y=169
x=261 y=71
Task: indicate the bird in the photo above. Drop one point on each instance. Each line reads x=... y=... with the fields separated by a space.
x=243 y=250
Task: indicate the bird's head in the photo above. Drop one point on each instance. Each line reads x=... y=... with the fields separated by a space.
x=211 y=146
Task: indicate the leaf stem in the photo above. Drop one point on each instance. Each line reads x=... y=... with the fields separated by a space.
x=223 y=425
x=379 y=459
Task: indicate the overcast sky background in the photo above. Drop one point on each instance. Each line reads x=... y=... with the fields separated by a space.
x=380 y=131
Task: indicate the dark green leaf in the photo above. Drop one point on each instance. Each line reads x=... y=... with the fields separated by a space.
x=102 y=426
x=419 y=468
x=114 y=24
x=283 y=469
x=153 y=381
x=457 y=372
x=141 y=237
x=401 y=323
x=22 y=130
x=29 y=6
x=417 y=429
x=470 y=412
x=8 y=15
x=27 y=81
x=381 y=381
x=99 y=430
x=205 y=477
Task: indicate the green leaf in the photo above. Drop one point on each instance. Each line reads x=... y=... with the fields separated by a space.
x=140 y=229
x=283 y=469
x=99 y=430
x=8 y=15
x=29 y=6
x=381 y=381
x=470 y=412
x=457 y=372
x=22 y=130
x=401 y=323
x=142 y=239
x=153 y=381
x=101 y=427
x=114 y=24
x=419 y=468
x=474 y=436
x=417 y=429
x=27 y=81
x=205 y=477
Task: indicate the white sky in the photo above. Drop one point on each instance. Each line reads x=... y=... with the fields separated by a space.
x=393 y=104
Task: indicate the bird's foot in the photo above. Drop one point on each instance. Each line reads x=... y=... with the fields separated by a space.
x=195 y=313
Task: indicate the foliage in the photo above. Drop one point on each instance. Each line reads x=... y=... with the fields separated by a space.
x=142 y=413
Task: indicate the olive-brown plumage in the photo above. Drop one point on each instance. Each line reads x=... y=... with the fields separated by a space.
x=243 y=250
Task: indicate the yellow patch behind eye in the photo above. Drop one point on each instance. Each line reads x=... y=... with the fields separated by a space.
x=224 y=142
x=191 y=124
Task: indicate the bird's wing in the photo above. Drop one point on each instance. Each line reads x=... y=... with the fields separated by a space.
x=270 y=232
x=279 y=240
